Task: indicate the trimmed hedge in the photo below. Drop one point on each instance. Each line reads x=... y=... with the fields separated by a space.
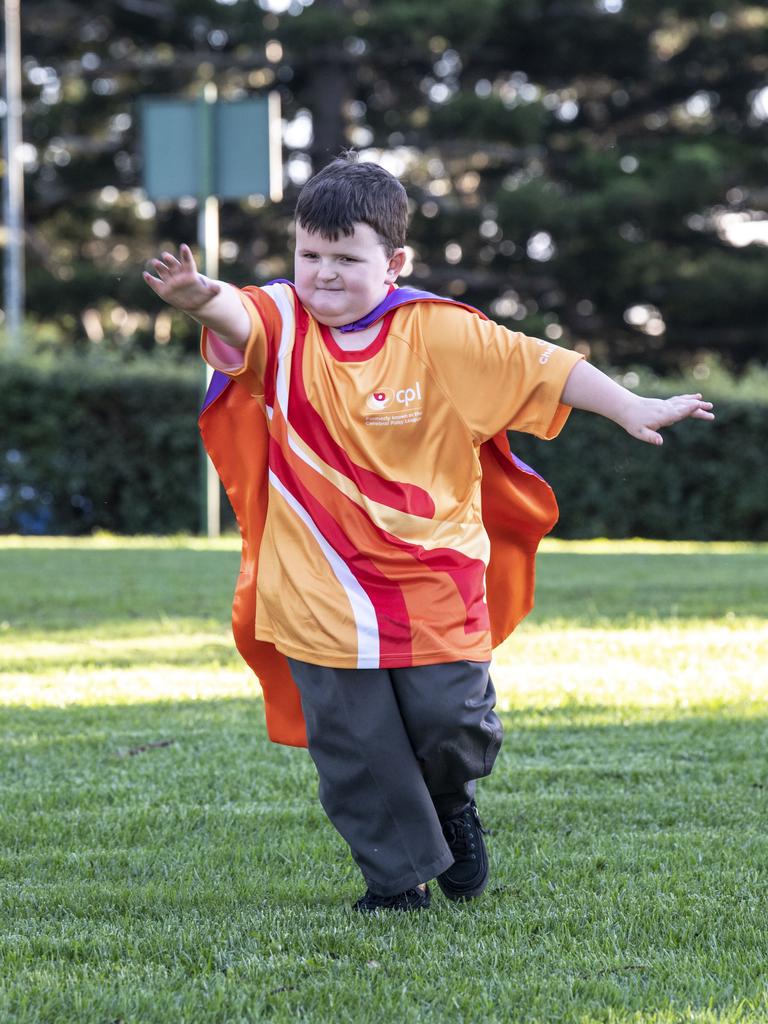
x=93 y=445
x=89 y=445
x=709 y=481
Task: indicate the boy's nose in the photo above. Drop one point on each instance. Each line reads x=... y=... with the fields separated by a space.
x=326 y=272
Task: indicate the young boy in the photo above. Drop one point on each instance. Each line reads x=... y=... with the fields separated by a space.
x=388 y=533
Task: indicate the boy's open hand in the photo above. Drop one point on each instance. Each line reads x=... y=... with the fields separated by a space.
x=645 y=416
x=178 y=282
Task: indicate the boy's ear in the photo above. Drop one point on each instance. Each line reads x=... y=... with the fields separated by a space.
x=396 y=264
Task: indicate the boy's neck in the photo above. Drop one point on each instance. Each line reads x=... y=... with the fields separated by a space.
x=357 y=340
x=351 y=338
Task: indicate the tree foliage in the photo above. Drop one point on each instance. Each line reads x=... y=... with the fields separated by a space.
x=588 y=170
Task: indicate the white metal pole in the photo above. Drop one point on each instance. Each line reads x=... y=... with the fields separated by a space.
x=208 y=240
x=208 y=237
x=13 y=180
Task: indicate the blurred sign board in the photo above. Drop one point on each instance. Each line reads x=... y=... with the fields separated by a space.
x=228 y=149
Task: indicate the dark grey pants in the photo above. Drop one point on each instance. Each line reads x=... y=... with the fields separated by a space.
x=395 y=751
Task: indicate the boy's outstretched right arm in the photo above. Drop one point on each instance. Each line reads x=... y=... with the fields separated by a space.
x=213 y=304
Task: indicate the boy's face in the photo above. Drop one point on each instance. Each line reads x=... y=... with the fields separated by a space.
x=341 y=281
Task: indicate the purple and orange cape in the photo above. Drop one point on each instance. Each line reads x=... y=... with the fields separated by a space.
x=519 y=508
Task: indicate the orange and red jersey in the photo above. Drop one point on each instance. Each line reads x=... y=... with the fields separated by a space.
x=374 y=548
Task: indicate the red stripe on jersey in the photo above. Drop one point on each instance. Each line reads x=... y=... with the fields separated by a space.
x=384 y=593
x=466 y=574
x=311 y=428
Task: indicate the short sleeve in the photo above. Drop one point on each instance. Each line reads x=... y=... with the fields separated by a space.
x=248 y=365
x=497 y=379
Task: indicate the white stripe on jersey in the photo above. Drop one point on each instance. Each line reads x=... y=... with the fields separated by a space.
x=285 y=307
x=368 y=646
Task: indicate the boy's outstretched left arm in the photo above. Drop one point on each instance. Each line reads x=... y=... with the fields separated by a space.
x=589 y=389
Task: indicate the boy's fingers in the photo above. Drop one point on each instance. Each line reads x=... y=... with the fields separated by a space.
x=170 y=260
x=153 y=282
x=684 y=406
x=696 y=402
x=186 y=256
x=696 y=409
x=160 y=269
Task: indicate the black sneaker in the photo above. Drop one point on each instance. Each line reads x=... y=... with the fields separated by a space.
x=411 y=899
x=468 y=875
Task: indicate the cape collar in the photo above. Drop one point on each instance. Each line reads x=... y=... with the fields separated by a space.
x=396 y=297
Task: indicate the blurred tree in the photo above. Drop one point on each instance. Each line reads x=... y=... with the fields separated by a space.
x=587 y=170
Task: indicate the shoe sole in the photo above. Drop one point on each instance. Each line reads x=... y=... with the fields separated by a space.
x=423 y=904
x=463 y=896
x=390 y=910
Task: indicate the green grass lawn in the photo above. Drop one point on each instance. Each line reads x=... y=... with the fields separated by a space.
x=161 y=861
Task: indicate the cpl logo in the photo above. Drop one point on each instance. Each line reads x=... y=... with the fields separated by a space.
x=381 y=398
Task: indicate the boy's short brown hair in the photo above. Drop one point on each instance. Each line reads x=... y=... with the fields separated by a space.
x=348 y=192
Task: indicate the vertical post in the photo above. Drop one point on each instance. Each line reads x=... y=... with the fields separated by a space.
x=208 y=240
x=13 y=181
x=275 y=144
